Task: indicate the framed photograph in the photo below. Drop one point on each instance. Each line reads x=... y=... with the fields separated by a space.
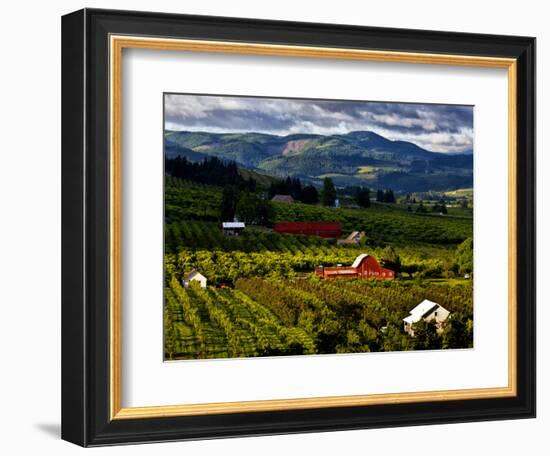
x=278 y=227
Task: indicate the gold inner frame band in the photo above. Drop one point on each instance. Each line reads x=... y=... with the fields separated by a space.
x=117 y=44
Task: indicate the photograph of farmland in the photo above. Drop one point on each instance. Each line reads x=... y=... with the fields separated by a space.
x=305 y=226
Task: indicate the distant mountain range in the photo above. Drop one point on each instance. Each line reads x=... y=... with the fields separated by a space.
x=356 y=158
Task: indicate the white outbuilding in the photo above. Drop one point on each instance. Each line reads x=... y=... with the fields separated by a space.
x=428 y=311
x=194 y=275
x=233 y=228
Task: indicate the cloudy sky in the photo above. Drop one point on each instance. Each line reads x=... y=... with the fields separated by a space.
x=438 y=128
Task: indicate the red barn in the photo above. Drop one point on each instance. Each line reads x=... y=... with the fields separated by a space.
x=364 y=266
x=322 y=229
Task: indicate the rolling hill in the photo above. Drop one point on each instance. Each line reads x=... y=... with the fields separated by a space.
x=355 y=158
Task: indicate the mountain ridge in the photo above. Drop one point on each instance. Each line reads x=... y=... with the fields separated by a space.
x=354 y=158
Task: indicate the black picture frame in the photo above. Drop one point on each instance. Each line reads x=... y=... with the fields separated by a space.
x=85 y=224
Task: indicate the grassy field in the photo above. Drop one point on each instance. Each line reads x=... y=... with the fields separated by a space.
x=461 y=193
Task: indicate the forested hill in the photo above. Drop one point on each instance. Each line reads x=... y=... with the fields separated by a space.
x=356 y=158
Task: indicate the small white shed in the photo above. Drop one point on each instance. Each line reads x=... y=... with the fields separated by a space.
x=233 y=228
x=196 y=276
x=428 y=311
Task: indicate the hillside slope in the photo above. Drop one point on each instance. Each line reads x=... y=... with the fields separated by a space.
x=355 y=158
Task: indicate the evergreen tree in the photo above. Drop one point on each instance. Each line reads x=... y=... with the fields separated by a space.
x=328 y=194
x=362 y=197
x=289 y=186
x=272 y=191
x=388 y=196
x=310 y=195
x=251 y=185
x=211 y=171
x=230 y=198
x=296 y=189
x=380 y=196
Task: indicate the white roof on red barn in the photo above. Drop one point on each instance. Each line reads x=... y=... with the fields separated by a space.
x=359 y=259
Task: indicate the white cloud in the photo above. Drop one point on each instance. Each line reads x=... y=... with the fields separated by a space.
x=434 y=127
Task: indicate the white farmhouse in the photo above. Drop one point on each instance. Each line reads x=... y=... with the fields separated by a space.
x=428 y=311
x=196 y=276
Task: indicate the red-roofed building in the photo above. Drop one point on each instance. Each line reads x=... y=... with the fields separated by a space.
x=322 y=229
x=365 y=266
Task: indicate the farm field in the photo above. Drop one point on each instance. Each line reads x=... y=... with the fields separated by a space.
x=262 y=317
x=223 y=259
x=185 y=201
x=262 y=299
